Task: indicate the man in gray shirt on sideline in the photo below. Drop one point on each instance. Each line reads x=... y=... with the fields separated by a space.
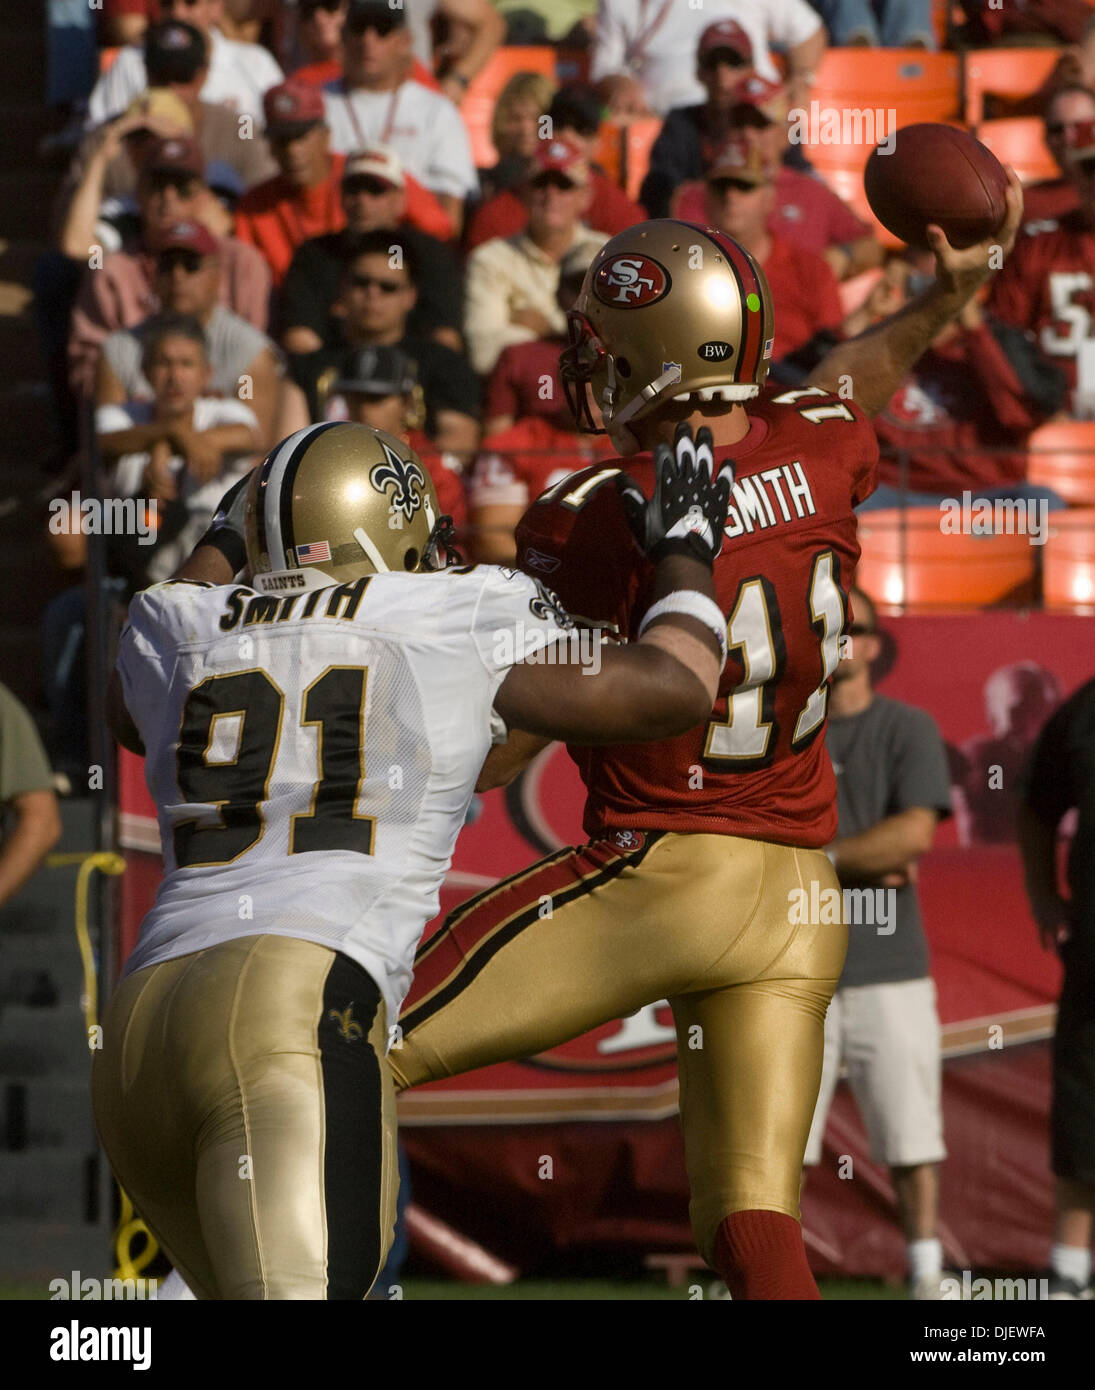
x=892 y=789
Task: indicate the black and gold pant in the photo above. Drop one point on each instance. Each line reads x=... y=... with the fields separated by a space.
x=714 y=924
x=244 y=1101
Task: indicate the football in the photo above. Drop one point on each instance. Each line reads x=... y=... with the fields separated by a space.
x=936 y=173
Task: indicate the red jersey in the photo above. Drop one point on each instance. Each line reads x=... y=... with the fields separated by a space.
x=1047 y=286
x=958 y=420
x=445 y=476
x=516 y=465
x=758 y=766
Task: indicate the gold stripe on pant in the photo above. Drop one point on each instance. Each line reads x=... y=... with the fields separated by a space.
x=243 y=1098
x=714 y=924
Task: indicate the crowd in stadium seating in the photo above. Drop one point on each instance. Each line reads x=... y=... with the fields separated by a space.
x=419 y=199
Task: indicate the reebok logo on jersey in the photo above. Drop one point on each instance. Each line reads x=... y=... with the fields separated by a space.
x=537 y=560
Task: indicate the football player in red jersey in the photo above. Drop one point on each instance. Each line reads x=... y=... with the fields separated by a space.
x=700 y=843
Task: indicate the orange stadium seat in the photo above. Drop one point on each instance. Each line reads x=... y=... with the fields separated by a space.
x=1019 y=141
x=1062 y=456
x=1068 y=564
x=623 y=151
x=919 y=86
x=909 y=562
x=1004 y=72
x=477 y=108
x=910 y=83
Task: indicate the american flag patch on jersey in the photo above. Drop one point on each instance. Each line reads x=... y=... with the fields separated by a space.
x=314 y=552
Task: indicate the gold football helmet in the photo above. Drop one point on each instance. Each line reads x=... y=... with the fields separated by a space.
x=667 y=310
x=337 y=501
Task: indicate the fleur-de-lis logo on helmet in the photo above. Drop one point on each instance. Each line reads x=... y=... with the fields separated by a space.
x=403 y=478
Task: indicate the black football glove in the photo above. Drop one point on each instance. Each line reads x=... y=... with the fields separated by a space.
x=226 y=531
x=687 y=512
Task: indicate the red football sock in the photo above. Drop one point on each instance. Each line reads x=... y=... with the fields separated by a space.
x=760 y=1254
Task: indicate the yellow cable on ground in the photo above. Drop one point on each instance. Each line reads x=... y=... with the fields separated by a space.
x=130 y=1226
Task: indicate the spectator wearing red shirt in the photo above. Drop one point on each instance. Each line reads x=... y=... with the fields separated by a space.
x=303 y=200
x=1047 y=285
x=741 y=193
x=961 y=418
x=524 y=383
x=1051 y=199
x=575 y=114
x=513 y=468
x=806 y=211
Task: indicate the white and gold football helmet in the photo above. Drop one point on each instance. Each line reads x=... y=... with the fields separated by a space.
x=337 y=501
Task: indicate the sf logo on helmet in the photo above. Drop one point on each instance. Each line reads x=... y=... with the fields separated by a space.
x=630 y=281
x=405 y=479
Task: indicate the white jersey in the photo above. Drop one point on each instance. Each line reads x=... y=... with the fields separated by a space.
x=312 y=757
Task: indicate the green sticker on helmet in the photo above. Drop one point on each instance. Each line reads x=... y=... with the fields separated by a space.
x=752 y=302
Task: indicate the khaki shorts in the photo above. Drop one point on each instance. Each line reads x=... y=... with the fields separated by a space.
x=887 y=1039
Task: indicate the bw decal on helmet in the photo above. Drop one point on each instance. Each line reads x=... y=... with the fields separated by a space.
x=337 y=501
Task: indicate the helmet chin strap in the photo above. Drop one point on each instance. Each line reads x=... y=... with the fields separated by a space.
x=375 y=557
x=669 y=377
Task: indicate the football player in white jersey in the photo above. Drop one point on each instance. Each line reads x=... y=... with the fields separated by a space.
x=313 y=734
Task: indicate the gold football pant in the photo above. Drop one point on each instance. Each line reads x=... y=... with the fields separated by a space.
x=714 y=924
x=244 y=1101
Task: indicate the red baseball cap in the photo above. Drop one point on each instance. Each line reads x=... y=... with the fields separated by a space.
x=188 y=236
x=560 y=156
x=726 y=36
x=292 y=109
x=177 y=152
x=769 y=98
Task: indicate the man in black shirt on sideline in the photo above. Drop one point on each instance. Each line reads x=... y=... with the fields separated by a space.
x=1060 y=778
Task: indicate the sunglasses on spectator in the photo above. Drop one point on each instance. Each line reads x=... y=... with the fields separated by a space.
x=191 y=261
x=367 y=282
x=309 y=7
x=365 y=183
x=186 y=4
x=159 y=180
x=722 y=186
x=554 y=181
x=379 y=24
x=720 y=56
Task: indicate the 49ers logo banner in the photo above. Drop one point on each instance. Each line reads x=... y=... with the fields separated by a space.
x=629 y=282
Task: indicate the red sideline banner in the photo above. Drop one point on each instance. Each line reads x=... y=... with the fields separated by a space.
x=603 y=1107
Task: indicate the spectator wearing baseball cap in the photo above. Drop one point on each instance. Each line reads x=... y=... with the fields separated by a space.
x=378 y=387
x=377 y=295
x=303 y=200
x=806 y=212
x=120 y=293
x=741 y=194
x=377 y=103
x=238 y=73
x=187 y=282
x=511 y=282
x=376 y=196
x=575 y=115
x=657 y=44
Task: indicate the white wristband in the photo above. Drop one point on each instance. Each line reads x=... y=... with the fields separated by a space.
x=691 y=604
